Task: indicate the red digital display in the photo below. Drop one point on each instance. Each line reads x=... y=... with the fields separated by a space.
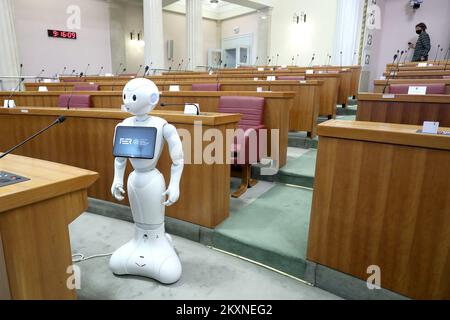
x=62 y=34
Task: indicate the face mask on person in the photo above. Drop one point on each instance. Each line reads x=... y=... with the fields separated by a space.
x=418 y=31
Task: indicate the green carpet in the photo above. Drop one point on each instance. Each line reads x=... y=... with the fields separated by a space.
x=273 y=230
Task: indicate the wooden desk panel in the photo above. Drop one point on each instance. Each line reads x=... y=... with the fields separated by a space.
x=85 y=140
x=380 y=84
x=404 y=109
x=34 y=219
x=277 y=107
x=420 y=74
x=389 y=206
x=5 y=294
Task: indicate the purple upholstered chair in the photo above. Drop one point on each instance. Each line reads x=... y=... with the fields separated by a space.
x=291 y=78
x=206 y=87
x=435 y=88
x=74 y=101
x=86 y=87
x=446 y=77
x=245 y=152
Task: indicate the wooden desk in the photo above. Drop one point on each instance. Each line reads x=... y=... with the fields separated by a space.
x=420 y=74
x=379 y=84
x=34 y=219
x=389 y=206
x=303 y=115
x=276 y=111
x=85 y=140
x=404 y=109
x=5 y=294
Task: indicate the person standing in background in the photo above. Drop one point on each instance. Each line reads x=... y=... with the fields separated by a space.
x=423 y=44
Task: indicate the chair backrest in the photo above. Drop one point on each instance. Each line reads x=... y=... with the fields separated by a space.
x=446 y=77
x=74 y=101
x=291 y=78
x=86 y=87
x=206 y=87
x=251 y=108
x=434 y=88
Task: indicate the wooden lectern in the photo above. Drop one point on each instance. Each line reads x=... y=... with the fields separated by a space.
x=35 y=251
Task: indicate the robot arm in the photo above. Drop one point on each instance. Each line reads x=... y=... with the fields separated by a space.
x=117 y=188
x=177 y=156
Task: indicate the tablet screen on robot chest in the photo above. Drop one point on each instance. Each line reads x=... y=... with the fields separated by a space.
x=135 y=142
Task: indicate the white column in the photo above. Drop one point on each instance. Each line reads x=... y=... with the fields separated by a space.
x=264 y=35
x=194 y=33
x=9 y=61
x=153 y=33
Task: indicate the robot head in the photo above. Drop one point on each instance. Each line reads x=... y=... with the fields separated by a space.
x=140 y=96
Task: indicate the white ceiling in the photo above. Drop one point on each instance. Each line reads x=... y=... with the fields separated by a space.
x=224 y=10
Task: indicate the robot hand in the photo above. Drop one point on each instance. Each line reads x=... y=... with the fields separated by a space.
x=173 y=194
x=118 y=191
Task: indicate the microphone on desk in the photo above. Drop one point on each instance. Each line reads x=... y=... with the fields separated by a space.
x=446 y=58
x=60 y=120
x=180 y=64
x=100 y=71
x=187 y=65
x=276 y=62
x=14 y=92
x=73 y=71
x=39 y=75
x=256 y=61
x=64 y=71
x=312 y=60
x=398 y=63
x=81 y=75
x=296 y=59
x=123 y=71
x=139 y=70
x=180 y=104
x=389 y=74
x=293 y=59
x=437 y=53
x=87 y=68
x=340 y=58
x=147 y=68
x=20 y=75
x=119 y=68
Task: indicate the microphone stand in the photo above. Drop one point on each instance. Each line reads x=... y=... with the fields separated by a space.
x=14 y=91
x=389 y=75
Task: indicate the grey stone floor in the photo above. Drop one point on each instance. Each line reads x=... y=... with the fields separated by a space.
x=207 y=274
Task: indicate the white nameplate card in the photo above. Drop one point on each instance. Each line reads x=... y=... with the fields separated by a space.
x=382 y=78
x=417 y=90
x=174 y=88
x=259 y=89
x=211 y=73
x=388 y=96
x=255 y=79
x=42 y=89
x=430 y=127
x=303 y=81
x=423 y=64
x=9 y=104
x=24 y=110
x=47 y=80
x=309 y=71
x=260 y=69
x=109 y=75
x=271 y=78
x=284 y=67
x=192 y=109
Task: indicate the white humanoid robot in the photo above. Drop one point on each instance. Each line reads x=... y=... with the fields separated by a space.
x=150 y=253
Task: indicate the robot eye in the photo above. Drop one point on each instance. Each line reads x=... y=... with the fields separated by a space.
x=124 y=97
x=134 y=98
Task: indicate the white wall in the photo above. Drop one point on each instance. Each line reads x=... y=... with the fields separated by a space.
x=314 y=36
x=175 y=29
x=398 y=28
x=37 y=50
